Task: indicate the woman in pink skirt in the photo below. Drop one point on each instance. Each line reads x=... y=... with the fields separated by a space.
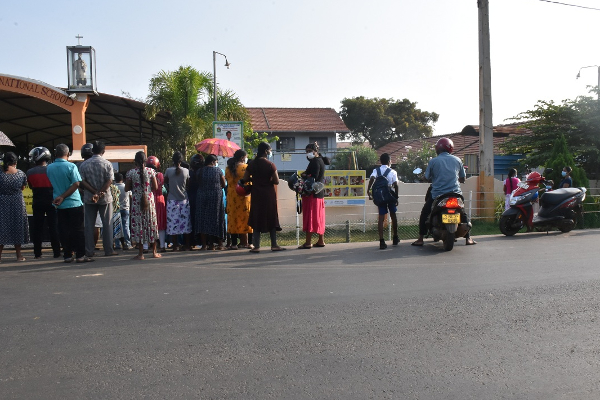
x=313 y=205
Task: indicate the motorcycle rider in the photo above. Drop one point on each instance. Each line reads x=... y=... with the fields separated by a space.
x=445 y=172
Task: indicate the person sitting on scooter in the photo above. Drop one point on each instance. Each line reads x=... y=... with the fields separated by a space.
x=567 y=181
x=444 y=172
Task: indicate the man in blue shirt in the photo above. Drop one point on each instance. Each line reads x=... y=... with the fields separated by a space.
x=445 y=172
x=65 y=180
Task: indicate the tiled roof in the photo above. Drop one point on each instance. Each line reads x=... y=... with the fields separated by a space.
x=296 y=120
x=465 y=142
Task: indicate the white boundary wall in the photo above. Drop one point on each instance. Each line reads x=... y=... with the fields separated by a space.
x=412 y=197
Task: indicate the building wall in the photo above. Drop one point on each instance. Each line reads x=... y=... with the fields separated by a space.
x=287 y=161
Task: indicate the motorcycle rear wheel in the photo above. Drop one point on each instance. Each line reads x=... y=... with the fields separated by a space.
x=449 y=241
x=507 y=225
x=571 y=215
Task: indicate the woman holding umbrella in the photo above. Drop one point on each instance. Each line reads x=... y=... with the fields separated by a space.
x=263 y=204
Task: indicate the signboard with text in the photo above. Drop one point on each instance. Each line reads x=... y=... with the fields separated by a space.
x=229 y=130
x=28 y=197
x=344 y=187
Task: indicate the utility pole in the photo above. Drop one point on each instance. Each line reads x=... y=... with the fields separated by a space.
x=486 y=131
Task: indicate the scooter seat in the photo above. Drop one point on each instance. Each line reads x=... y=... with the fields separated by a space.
x=559 y=195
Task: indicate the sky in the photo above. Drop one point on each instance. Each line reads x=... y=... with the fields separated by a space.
x=315 y=53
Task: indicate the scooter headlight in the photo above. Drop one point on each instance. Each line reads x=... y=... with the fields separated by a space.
x=517 y=199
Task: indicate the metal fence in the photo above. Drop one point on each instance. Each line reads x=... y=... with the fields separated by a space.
x=362 y=226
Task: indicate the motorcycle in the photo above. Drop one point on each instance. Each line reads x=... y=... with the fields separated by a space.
x=558 y=208
x=446 y=221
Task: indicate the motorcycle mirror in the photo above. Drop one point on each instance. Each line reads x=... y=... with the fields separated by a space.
x=548 y=171
x=417 y=171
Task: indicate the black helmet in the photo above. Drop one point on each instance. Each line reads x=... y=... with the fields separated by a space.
x=39 y=154
x=87 y=151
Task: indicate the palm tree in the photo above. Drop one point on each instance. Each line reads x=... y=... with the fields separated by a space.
x=182 y=93
x=187 y=94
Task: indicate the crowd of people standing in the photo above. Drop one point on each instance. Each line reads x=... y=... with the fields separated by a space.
x=191 y=205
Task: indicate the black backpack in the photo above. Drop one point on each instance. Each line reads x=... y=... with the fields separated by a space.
x=382 y=194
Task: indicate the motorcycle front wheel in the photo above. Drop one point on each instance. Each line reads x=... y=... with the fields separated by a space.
x=510 y=225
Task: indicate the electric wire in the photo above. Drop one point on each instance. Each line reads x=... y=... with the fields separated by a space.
x=571 y=5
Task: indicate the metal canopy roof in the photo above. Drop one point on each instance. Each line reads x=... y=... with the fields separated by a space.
x=116 y=120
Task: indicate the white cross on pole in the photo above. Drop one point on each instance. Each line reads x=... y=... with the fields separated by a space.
x=78 y=37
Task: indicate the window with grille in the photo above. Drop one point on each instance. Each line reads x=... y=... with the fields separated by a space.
x=286 y=144
x=321 y=141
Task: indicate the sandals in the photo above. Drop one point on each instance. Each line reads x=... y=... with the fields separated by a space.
x=305 y=246
x=417 y=243
x=255 y=251
x=278 y=248
x=318 y=245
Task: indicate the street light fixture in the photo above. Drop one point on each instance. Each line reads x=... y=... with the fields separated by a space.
x=592 y=66
x=215 y=77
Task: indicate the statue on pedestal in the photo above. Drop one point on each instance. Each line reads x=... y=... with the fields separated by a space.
x=80 y=68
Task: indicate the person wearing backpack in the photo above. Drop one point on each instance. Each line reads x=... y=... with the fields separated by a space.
x=381 y=182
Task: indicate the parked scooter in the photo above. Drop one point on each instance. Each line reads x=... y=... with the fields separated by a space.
x=558 y=208
x=446 y=222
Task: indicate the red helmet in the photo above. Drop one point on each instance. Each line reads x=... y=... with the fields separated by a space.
x=444 y=144
x=153 y=162
x=243 y=190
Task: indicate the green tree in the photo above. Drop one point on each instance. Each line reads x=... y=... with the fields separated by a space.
x=380 y=121
x=364 y=156
x=414 y=159
x=560 y=158
x=578 y=121
x=187 y=95
x=183 y=94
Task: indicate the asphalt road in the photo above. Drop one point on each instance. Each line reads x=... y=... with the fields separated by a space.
x=510 y=318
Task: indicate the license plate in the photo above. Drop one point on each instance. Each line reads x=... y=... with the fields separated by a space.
x=451 y=218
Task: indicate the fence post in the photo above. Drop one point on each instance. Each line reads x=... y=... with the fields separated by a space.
x=389 y=226
x=470 y=203
x=365 y=216
x=297 y=229
x=347 y=231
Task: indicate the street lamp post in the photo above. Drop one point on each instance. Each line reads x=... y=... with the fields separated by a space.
x=215 y=77
x=592 y=66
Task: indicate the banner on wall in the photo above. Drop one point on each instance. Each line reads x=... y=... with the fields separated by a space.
x=28 y=197
x=344 y=187
x=229 y=130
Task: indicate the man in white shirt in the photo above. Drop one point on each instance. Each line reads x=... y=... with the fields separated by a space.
x=392 y=178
